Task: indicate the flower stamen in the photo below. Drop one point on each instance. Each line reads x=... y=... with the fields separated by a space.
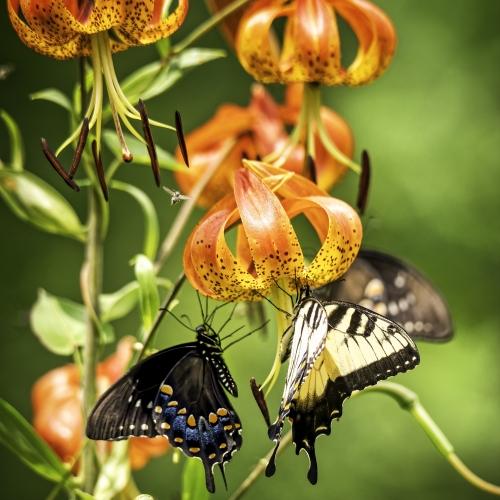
x=82 y=140
x=364 y=182
x=57 y=166
x=148 y=136
x=180 y=137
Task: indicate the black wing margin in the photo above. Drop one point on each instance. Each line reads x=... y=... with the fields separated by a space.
x=125 y=409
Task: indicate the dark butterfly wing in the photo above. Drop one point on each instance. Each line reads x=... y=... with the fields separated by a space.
x=125 y=409
x=394 y=289
x=193 y=411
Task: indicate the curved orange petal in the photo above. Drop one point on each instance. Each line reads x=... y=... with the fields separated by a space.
x=257 y=50
x=340 y=230
x=317 y=43
x=141 y=450
x=208 y=262
x=272 y=240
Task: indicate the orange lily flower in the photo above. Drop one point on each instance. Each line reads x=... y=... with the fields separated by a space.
x=265 y=199
x=311 y=50
x=64 y=29
x=57 y=411
x=259 y=131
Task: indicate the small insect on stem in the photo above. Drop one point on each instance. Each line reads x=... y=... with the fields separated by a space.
x=176 y=196
x=57 y=166
x=148 y=137
x=100 y=171
x=180 y=137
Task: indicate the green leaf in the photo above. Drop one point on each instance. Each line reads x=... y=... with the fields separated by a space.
x=20 y=437
x=115 y=472
x=38 y=203
x=139 y=80
x=54 y=95
x=151 y=224
x=179 y=66
x=148 y=292
x=83 y=495
x=16 y=142
x=120 y=303
x=58 y=323
x=140 y=151
x=193 y=481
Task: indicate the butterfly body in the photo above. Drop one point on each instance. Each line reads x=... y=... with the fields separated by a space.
x=177 y=393
x=336 y=348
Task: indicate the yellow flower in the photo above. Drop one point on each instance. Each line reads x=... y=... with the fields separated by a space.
x=64 y=29
x=265 y=199
x=311 y=50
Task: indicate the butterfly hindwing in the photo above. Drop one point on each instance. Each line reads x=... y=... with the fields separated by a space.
x=193 y=411
x=125 y=409
x=396 y=290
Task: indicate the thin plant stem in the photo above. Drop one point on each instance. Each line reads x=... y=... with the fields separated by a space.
x=150 y=335
x=282 y=301
x=183 y=216
x=260 y=467
x=93 y=285
x=208 y=25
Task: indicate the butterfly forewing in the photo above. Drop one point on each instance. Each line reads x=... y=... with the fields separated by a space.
x=125 y=409
x=192 y=410
x=396 y=290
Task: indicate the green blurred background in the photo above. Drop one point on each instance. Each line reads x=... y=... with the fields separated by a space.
x=431 y=125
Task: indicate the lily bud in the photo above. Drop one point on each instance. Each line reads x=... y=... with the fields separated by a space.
x=36 y=202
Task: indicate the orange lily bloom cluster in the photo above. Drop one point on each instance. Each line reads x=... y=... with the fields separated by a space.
x=311 y=49
x=256 y=132
x=61 y=28
x=264 y=201
x=57 y=411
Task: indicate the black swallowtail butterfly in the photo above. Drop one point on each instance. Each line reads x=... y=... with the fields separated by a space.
x=177 y=393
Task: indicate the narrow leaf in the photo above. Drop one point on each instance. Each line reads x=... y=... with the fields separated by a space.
x=148 y=292
x=151 y=224
x=83 y=495
x=139 y=80
x=193 y=481
x=140 y=151
x=16 y=142
x=115 y=472
x=118 y=304
x=20 y=437
x=54 y=95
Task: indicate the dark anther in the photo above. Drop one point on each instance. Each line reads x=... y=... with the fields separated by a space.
x=311 y=169
x=82 y=140
x=244 y=155
x=180 y=137
x=258 y=158
x=100 y=171
x=259 y=399
x=148 y=136
x=364 y=182
x=58 y=167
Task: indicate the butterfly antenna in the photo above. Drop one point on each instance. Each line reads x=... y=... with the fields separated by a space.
x=183 y=324
x=282 y=289
x=231 y=334
x=247 y=335
x=228 y=319
x=223 y=475
x=188 y=319
x=211 y=316
x=273 y=304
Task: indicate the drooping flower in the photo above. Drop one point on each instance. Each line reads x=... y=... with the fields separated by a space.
x=57 y=411
x=311 y=48
x=65 y=29
x=265 y=200
x=258 y=131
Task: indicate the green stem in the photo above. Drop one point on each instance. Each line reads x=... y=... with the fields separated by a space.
x=183 y=216
x=92 y=276
x=208 y=25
